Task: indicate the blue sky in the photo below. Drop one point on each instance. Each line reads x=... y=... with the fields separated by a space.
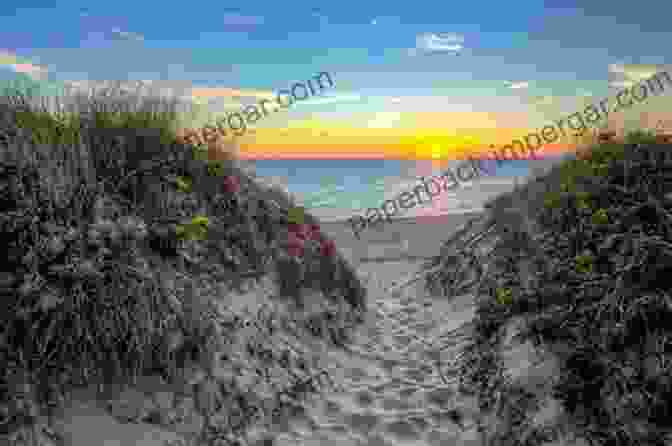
x=559 y=47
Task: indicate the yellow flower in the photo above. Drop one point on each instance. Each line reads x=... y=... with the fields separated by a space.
x=184 y=184
x=551 y=200
x=584 y=263
x=215 y=168
x=600 y=217
x=296 y=215
x=200 y=221
x=504 y=296
x=201 y=152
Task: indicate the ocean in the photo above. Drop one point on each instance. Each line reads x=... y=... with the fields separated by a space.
x=355 y=184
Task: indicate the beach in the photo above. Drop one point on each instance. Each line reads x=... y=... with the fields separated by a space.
x=410 y=238
x=388 y=393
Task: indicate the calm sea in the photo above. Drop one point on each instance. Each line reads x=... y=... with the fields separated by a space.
x=351 y=184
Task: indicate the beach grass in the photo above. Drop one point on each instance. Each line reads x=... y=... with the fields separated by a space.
x=582 y=256
x=117 y=241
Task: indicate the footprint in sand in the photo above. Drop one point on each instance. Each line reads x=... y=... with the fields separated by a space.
x=394 y=395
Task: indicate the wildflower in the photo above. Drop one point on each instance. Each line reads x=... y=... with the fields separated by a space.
x=504 y=296
x=552 y=200
x=328 y=248
x=600 y=217
x=584 y=263
x=201 y=152
x=314 y=232
x=231 y=184
x=215 y=168
x=300 y=230
x=295 y=245
x=296 y=215
x=183 y=184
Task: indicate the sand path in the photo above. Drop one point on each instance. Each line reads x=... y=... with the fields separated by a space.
x=391 y=392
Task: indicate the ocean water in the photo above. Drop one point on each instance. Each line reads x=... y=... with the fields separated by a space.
x=354 y=184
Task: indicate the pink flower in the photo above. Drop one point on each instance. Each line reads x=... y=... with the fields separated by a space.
x=299 y=230
x=295 y=245
x=315 y=233
x=328 y=248
x=232 y=184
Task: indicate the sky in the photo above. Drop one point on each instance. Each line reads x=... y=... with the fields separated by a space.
x=408 y=76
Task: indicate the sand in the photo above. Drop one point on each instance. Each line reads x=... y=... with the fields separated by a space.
x=391 y=392
x=408 y=239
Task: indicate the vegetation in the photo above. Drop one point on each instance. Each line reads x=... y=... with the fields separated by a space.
x=584 y=264
x=121 y=245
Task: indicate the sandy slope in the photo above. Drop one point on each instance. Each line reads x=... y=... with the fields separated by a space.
x=390 y=392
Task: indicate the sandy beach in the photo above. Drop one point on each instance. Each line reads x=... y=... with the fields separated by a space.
x=409 y=238
x=419 y=232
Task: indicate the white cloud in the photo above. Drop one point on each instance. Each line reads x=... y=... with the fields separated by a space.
x=518 y=85
x=384 y=120
x=439 y=42
x=330 y=100
x=241 y=20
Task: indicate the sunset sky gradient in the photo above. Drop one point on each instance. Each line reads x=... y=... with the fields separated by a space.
x=412 y=81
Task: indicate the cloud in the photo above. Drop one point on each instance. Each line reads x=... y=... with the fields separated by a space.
x=233 y=20
x=384 y=120
x=330 y=100
x=438 y=43
x=119 y=34
x=518 y=85
x=211 y=92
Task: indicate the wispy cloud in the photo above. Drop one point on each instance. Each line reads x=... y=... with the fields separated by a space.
x=438 y=43
x=384 y=120
x=330 y=100
x=518 y=85
x=211 y=92
x=234 y=21
x=120 y=34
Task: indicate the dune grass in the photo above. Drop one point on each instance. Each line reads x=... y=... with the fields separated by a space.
x=104 y=215
x=596 y=234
